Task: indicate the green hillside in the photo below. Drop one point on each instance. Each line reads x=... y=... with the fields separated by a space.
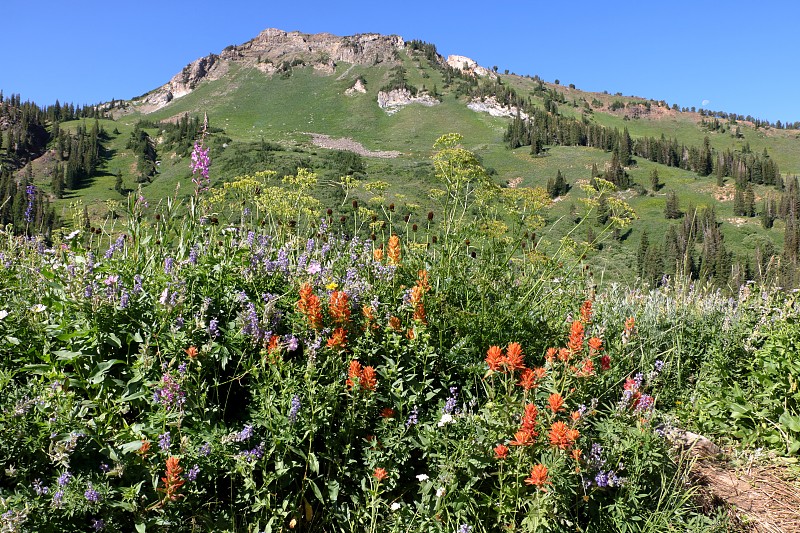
x=249 y=110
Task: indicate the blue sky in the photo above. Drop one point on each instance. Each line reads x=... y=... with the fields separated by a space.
x=737 y=56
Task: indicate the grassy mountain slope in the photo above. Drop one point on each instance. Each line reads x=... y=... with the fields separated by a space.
x=251 y=106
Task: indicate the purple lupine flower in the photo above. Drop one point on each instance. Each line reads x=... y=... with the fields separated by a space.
x=450 y=404
x=123 y=299
x=295 y=409
x=205 y=449
x=213 y=328
x=90 y=262
x=413 y=418
x=137 y=284
x=104 y=468
x=601 y=479
x=30 y=190
x=464 y=528
x=658 y=365
x=98 y=524
x=645 y=404
x=58 y=497
x=91 y=495
x=292 y=344
x=164 y=441
x=245 y=433
x=193 y=255
x=64 y=478
x=200 y=165
x=179 y=322
x=168 y=263
x=88 y=291
x=191 y=475
x=38 y=488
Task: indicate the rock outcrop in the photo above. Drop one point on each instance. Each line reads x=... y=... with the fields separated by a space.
x=274 y=51
x=358 y=87
x=396 y=99
x=493 y=107
x=468 y=65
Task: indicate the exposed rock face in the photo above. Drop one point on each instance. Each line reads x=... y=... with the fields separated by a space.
x=276 y=50
x=470 y=66
x=362 y=49
x=210 y=67
x=397 y=99
x=492 y=106
x=359 y=87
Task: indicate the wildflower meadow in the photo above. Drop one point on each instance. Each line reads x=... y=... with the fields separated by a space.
x=241 y=360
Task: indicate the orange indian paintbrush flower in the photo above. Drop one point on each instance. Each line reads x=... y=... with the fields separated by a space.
x=172 y=480
x=338 y=340
x=309 y=305
x=394 y=250
x=339 y=308
x=555 y=402
x=575 y=343
x=562 y=436
x=500 y=451
x=538 y=476
x=369 y=378
x=494 y=358
x=586 y=311
x=514 y=357
x=380 y=474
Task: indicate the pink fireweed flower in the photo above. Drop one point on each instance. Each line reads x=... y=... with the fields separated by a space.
x=200 y=165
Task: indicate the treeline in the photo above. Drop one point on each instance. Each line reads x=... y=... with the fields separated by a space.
x=695 y=246
x=25 y=206
x=78 y=154
x=144 y=148
x=24 y=126
x=178 y=136
x=541 y=128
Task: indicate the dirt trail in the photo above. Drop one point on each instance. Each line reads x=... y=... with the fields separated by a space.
x=325 y=141
x=761 y=498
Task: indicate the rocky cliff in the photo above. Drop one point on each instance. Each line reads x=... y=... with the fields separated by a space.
x=275 y=51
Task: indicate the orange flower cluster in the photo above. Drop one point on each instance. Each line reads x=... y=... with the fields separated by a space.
x=527 y=432
x=512 y=360
x=562 y=436
x=538 y=477
x=394 y=250
x=310 y=306
x=575 y=344
x=144 y=448
x=366 y=377
x=500 y=451
x=380 y=474
x=369 y=318
x=417 y=292
x=530 y=378
x=339 y=308
x=586 y=311
x=416 y=302
x=191 y=352
x=338 y=339
x=555 y=402
x=377 y=254
x=172 y=480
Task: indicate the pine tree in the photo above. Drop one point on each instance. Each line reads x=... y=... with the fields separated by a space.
x=641 y=253
x=672 y=206
x=655 y=185
x=738 y=203
x=749 y=201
